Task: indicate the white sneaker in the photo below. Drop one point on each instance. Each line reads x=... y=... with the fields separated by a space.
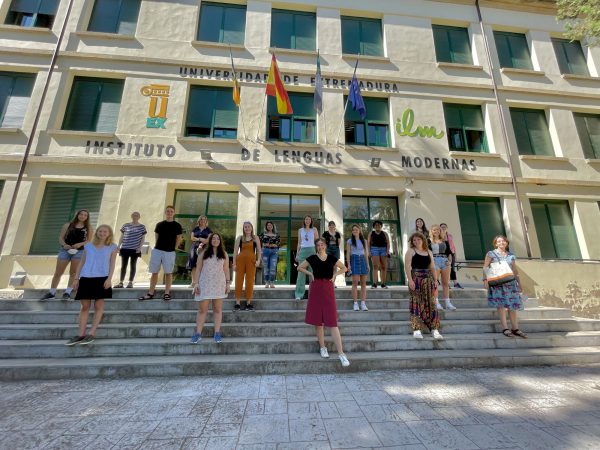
x=437 y=336
x=438 y=304
x=356 y=308
x=417 y=334
x=449 y=305
x=344 y=360
x=324 y=352
x=363 y=306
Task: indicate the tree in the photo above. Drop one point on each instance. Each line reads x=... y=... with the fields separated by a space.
x=582 y=19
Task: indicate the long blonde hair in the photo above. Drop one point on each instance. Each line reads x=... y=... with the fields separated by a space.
x=109 y=238
x=442 y=233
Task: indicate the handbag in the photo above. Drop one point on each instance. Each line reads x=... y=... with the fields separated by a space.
x=499 y=273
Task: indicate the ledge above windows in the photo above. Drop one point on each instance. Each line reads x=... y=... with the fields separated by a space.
x=449 y=65
x=102 y=35
x=511 y=70
x=77 y=133
x=353 y=57
x=211 y=44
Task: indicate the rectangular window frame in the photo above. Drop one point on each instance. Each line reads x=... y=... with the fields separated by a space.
x=365 y=125
x=361 y=40
x=98 y=101
x=293 y=119
x=15 y=76
x=534 y=149
x=481 y=226
x=553 y=236
x=12 y=17
x=514 y=63
x=590 y=150
x=465 y=129
x=451 y=53
x=118 y=18
x=223 y=91
x=293 y=32
x=567 y=66
x=222 y=30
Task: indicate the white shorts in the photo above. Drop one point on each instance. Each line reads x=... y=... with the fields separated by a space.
x=160 y=257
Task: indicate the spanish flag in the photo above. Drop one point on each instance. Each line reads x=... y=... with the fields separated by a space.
x=276 y=89
x=236 y=84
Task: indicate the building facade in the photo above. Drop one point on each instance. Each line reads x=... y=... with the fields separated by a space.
x=490 y=126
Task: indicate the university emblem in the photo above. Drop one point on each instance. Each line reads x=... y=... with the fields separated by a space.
x=159 y=99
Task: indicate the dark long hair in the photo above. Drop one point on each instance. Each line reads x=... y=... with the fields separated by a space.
x=304 y=221
x=360 y=236
x=425 y=231
x=86 y=224
x=210 y=251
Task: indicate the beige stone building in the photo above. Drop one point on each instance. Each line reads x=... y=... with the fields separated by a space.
x=490 y=126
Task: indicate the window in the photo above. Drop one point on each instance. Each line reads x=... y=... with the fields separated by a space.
x=480 y=221
x=60 y=204
x=588 y=128
x=571 y=59
x=15 y=90
x=1 y=187
x=32 y=13
x=292 y=29
x=362 y=36
x=452 y=44
x=554 y=229
x=465 y=129
x=93 y=105
x=374 y=130
x=211 y=113
x=223 y=23
x=300 y=126
x=531 y=132
x=221 y=210
x=513 y=50
x=115 y=16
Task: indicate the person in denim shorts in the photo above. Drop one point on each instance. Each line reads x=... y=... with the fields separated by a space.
x=442 y=256
x=73 y=236
x=379 y=245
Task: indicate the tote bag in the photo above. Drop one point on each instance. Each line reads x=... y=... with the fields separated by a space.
x=499 y=273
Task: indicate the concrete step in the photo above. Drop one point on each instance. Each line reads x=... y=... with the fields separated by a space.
x=143 y=366
x=168 y=316
x=290 y=329
x=262 y=293
x=293 y=345
x=180 y=304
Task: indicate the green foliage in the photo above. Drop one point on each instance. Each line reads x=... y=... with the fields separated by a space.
x=582 y=19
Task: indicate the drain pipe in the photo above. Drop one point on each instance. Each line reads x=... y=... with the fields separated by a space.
x=38 y=113
x=504 y=133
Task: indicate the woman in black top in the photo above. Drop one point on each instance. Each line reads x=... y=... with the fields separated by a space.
x=321 y=310
x=333 y=238
x=419 y=268
x=73 y=236
x=379 y=247
x=270 y=241
x=199 y=240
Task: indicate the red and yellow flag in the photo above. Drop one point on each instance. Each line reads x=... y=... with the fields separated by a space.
x=275 y=88
x=236 y=84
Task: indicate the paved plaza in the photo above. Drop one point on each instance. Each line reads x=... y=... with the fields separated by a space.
x=517 y=408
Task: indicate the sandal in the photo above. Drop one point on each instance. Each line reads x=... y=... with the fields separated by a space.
x=519 y=333
x=167 y=297
x=119 y=285
x=148 y=296
x=506 y=332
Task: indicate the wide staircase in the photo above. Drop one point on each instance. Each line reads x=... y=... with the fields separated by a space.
x=151 y=338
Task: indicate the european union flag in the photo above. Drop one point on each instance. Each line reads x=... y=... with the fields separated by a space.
x=355 y=97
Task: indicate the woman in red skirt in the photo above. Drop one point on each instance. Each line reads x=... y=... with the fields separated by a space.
x=321 y=310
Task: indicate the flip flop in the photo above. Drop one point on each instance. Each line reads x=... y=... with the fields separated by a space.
x=148 y=296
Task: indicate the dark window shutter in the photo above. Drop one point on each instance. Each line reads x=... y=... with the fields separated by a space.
x=442 y=43
x=226 y=113
x=15 y=92
x=521 y=134
x=371 y=38
x=81 y=109
x=460 y=47
x=555 y=230
x=105 y=16
x=350 y=36
x=539 y=135
x=234 y=25
x=480 y=221
x=282 y=25
x=130 y=10
x=305 y=31
x=211 y=20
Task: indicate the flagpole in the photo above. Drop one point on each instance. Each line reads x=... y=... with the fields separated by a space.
x=323 y=109
x=234 y=75
x=337 y=141
x=262 y=111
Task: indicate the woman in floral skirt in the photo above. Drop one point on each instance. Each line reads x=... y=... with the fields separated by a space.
x=506 y=296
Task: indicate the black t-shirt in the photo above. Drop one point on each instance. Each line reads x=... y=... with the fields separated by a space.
x=420 y=261
x=76 y=236
x=322 y=269
x=332 y=241
x=378 y=240
x=167 y=235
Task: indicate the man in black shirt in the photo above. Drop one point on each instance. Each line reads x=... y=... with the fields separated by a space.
x=168 y=237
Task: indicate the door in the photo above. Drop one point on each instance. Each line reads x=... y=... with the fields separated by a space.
x=287 y=211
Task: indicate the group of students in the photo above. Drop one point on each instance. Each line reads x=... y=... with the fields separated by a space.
x=92 y=257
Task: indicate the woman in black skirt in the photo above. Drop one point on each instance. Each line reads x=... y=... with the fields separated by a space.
x=93 y=281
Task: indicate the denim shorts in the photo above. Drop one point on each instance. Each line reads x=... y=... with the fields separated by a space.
x=161 y=258
x=378 y=251
x=64 y=255
x=441 y=262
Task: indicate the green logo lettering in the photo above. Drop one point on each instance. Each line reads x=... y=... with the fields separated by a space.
x=405 y=126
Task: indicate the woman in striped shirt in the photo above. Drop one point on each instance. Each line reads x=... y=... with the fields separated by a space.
x=130 y=247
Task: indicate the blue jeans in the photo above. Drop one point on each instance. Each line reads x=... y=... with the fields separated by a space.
x=269 y=259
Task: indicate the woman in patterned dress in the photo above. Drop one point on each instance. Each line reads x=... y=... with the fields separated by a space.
x=505 y=296
x=419 y=267
x=211 y=283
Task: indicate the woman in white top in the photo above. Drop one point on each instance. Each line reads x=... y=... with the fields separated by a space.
x=307 y=235
x=93 y=281
x=357 y=249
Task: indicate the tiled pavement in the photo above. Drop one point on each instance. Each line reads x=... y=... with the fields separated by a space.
x=518 y=408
